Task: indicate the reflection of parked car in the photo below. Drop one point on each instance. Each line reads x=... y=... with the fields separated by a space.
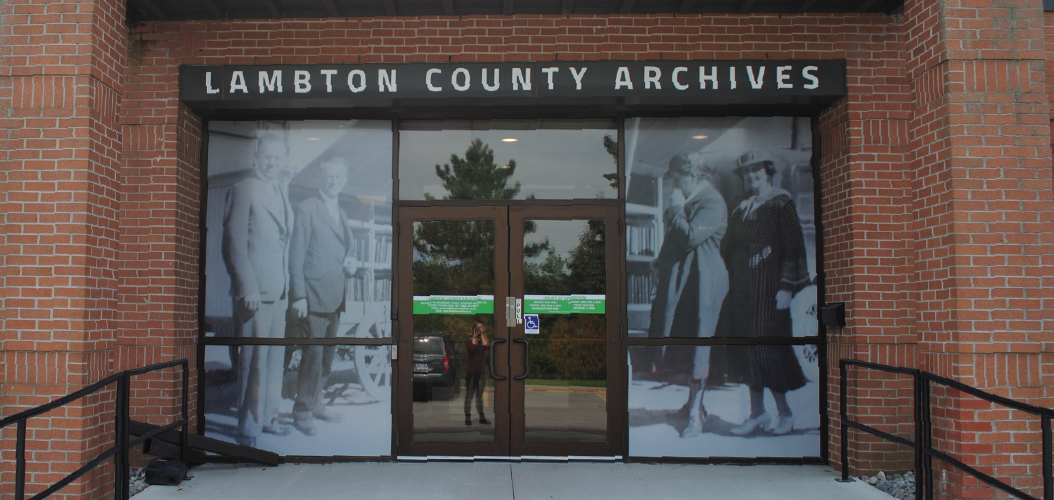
x=435 y=362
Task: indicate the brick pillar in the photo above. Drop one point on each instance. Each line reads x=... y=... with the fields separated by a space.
x=159 y=242
x=61 y=70
x=866 y=191
x=984 y=237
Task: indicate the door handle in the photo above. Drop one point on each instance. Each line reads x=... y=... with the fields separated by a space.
x=493 y=375
x=526 y=359
x=510 y=311
x=513 y=311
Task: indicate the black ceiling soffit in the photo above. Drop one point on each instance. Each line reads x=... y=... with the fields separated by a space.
x=185 y=10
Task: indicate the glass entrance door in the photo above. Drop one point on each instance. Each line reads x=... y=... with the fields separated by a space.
x=513 y=340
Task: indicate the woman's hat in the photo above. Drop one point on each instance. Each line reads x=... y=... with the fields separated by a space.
x=688 y=164
x=755 y=160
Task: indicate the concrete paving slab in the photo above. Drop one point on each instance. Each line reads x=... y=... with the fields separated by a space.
x=513 y=481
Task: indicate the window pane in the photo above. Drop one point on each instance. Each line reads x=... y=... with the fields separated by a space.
x=720 y=230
x=699 y=402
x=355 y=392
x=508 y=159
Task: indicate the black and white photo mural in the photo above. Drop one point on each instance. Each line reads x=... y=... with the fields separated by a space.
x=721 y=243
x=299 y=246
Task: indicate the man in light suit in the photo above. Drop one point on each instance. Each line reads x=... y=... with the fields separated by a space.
x=257 y=222
x=320 y=263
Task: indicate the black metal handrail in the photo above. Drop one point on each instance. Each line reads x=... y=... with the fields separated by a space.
x=121 y=443
x=922 y=446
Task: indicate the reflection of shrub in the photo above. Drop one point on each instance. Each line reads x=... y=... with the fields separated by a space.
x=577 y=350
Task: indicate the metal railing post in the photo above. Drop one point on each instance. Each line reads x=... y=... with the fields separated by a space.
x=927 y=441
x=20 y=461
x=920 y=448
x=120 y=462
x=183 y=447
x=124 y=397
x=844 y=413
x=1048 y=460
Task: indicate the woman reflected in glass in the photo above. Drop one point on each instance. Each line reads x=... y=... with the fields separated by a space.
x=476 y=346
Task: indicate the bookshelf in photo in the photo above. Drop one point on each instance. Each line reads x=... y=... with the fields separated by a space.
x=643 y=239
x=369 y=291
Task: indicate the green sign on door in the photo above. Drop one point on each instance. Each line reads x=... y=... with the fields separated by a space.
x=453 y=304
x=563 y=304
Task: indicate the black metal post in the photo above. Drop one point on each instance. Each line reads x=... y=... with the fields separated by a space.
x=1048 y=460
x=123 y=398
x=920 y=447
x=183 y=449
x=926 y=443
x=20 y=461
x=120 y=461
x=844 y=412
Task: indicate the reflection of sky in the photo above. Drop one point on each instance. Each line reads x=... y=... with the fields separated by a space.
x=550 y=164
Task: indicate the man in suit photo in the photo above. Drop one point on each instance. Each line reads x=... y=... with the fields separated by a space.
x=257 y=223
x=320 y=263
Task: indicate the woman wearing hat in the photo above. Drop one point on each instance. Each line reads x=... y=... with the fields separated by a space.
x=764 y=251
x=692 y=280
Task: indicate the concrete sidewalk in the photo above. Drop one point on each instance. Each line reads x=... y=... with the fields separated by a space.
x=520 y=481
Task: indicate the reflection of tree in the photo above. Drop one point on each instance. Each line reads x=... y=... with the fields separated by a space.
x=452 y=258
x=457 y=257
x=611 y=146
x=577 y=350
x=476 y=176
x=575 y=345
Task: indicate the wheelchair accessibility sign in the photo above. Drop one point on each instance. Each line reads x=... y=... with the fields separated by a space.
x=531 y=324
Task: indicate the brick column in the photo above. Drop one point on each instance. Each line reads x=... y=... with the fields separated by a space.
x=866 y=200
x=160 y=236
x=983 y=224
x=61 y=70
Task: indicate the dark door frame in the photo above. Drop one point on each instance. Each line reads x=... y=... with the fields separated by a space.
x=509 y=393
x=616 y=365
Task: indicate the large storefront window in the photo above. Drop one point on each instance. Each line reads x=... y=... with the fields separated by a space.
x=720 y=247
x=298 y=286
x=512 y=308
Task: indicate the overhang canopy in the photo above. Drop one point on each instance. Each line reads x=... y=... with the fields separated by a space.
x=180 y=10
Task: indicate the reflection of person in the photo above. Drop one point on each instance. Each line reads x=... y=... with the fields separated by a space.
x=257 y=220
x=692 y=280
x=765 y=253
x=476 y=345
x=319 y=265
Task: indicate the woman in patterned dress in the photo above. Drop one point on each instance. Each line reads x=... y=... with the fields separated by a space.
x=764 y=251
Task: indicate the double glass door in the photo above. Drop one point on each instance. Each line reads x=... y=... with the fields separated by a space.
x=513 y=344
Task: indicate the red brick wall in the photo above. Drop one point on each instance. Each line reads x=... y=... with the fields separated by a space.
x=983 y=225
x=61 y=82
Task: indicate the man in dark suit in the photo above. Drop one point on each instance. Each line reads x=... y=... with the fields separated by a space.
x=257 y=222
x=320 y=263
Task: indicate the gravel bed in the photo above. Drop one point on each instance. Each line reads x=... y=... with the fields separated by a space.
x=900 y=486
x=137 y=480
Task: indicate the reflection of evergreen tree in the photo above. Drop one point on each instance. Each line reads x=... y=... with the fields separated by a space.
x=457 y=257
x=476 y=176
x=573 y=346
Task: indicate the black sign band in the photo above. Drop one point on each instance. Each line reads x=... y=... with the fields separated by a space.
x=635 y=82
